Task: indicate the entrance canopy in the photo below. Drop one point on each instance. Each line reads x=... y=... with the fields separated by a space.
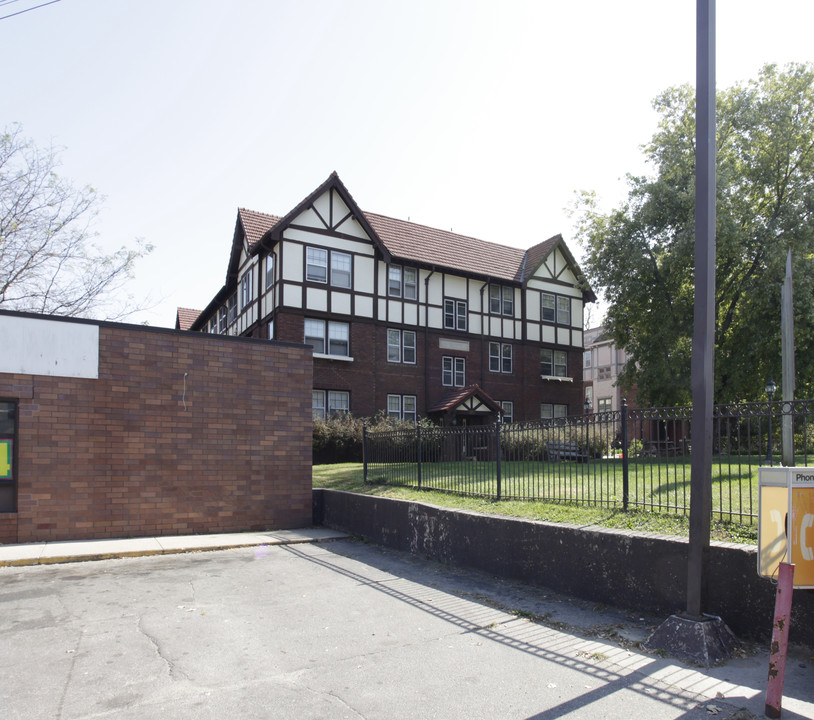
x=470 y=405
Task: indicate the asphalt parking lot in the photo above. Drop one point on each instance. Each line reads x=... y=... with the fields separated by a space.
x=339 y=630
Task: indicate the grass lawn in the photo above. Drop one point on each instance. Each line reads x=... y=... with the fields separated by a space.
x=348 y=476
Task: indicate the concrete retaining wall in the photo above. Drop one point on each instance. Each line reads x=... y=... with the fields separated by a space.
x=621 y=568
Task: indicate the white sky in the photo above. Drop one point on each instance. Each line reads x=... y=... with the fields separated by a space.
x=480 y=117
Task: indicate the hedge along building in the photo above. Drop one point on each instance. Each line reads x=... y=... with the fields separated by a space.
x=113 y=430
x=404 y=318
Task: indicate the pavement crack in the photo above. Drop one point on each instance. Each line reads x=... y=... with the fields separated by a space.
x=172 y=670
x=335 y=696
x=68 y=679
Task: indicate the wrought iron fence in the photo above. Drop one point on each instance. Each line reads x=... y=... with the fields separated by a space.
x=631 y=458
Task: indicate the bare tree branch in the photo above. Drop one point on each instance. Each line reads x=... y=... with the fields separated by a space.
x=48 y=260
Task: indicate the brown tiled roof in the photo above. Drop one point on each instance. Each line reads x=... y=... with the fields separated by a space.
x=413 y=243
x=456 y=397
x=256 y=224
x=419 y=243
x=185 y=317
x=538 y=253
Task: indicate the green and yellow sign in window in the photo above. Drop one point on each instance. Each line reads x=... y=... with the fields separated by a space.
x=5 y=459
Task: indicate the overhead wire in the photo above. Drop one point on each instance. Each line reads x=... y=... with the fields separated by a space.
x=20 y=12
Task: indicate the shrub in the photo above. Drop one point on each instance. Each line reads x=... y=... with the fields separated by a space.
x=635 y=447
x=338 y=439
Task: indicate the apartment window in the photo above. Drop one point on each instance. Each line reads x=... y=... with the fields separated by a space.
x=409 y=408
x=604 y=404
x=586 y=359
x=394 y=281
x=508 y=411
x=400 y=346
x=589 y=396
x=402 y=282
x=316 y=264
x=318 y=404
x=340 y=269
x=328 y=337
x=563 y=311
x=454 y=314
x=338 y=403
x=269 y=271
x=8 y=478
x=271 y=330
x=231 y=306
x=453 y=371
x=501 y=300
x=549 y=307
x=402 y=407
x=553 y=363
x=213 y=324
x=550 y=411
x=410 y=284
x=603 y=373
x=246 y=289
x=500 y=357
x=222 y=320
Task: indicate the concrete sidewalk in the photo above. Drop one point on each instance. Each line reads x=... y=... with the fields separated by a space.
x=48 y=553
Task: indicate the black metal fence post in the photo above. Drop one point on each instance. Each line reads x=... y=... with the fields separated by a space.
x=364 y=452
x=625 y=459
x=497 y=445
x=418 y=437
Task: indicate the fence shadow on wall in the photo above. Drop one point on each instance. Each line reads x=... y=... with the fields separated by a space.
x=631 y=458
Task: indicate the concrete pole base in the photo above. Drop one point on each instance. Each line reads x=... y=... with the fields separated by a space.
x=703 y=640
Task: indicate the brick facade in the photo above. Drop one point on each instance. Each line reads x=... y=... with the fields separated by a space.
x=181 y=433
x=369 y=378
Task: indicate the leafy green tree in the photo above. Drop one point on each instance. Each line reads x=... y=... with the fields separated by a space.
x=641 y=254
x=48 y=262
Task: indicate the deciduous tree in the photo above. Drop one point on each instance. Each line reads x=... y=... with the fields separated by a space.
x=641 y=253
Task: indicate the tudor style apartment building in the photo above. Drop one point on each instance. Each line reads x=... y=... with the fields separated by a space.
x=404 y=318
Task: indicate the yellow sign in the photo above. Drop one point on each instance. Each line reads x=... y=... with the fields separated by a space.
x=802 y=535
x=5 y=458
x=786 y=523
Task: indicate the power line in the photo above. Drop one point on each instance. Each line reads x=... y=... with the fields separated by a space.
x=4 y=17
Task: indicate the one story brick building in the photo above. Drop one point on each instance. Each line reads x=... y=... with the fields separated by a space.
x=114 y=430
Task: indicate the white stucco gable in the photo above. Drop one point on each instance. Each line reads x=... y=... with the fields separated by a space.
x=329 y=212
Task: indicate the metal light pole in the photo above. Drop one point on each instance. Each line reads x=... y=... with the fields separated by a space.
x=695 y=635
x=703 y=339
x=770 y=390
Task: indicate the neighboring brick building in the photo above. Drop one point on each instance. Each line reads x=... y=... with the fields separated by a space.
x=402 y=317
x=112 y=430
